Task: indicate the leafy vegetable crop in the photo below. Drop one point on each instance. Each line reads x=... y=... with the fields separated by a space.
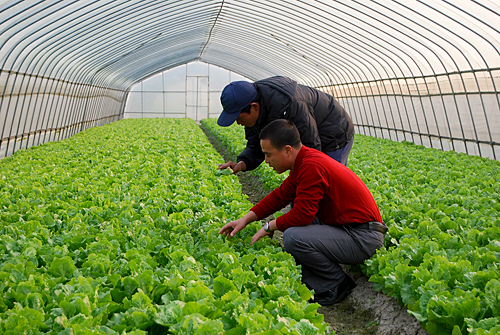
x=443 y=248
x=115 y=231
x=442 y=253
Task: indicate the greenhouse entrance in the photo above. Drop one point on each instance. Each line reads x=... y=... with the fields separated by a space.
x=197 y=97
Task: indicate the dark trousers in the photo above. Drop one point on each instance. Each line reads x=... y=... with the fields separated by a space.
x=342 y=154
x=320 y=249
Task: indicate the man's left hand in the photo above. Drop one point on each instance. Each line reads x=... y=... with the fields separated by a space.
x=261 y=233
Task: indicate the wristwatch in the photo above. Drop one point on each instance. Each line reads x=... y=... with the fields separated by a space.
x=266 y=227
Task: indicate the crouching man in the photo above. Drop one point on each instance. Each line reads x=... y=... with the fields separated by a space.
x=334 y=219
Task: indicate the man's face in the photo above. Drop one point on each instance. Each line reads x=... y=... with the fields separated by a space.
x=249 y=119
x=279 y=160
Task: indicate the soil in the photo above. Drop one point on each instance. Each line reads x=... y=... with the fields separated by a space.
x=365 y=311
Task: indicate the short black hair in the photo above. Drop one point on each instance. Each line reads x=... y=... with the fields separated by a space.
x=280 y=133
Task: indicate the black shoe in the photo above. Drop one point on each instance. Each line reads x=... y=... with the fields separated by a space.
x=336 y=294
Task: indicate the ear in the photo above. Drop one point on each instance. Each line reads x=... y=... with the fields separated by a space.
x=256 y=106
x=288 y=149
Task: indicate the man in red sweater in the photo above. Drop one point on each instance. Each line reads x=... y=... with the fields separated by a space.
x=334 y=220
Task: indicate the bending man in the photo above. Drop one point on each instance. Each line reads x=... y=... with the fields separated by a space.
x=334 y=221
x=322 y=123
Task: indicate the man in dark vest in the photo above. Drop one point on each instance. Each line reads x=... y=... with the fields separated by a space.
x=322 y=123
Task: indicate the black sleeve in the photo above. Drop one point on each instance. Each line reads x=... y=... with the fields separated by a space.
x=252 y=155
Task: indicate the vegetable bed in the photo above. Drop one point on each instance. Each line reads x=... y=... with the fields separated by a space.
x=233 y=138
x=115 y=231
x=442 y=253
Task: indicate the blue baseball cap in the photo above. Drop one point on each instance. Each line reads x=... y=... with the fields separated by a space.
x=235 y=96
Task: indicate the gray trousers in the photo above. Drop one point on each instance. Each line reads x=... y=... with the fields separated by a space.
x=320 y=249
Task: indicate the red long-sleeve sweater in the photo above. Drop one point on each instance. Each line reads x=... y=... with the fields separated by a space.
x=322 y=187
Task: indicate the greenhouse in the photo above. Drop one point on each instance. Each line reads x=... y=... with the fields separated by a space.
x=111 y=196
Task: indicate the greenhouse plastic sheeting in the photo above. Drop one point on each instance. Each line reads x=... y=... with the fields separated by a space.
x=423 y=71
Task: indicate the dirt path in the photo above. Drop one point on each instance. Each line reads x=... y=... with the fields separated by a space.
x=365 y=311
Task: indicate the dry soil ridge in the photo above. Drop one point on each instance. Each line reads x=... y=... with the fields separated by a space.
x=392 y=318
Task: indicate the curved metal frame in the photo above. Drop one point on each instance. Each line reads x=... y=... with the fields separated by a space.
x=68 y=65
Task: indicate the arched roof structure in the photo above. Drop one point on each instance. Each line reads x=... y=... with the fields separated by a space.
x=403 y=69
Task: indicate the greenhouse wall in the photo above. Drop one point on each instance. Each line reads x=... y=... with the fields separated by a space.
x=35 y=110
x=450 y=112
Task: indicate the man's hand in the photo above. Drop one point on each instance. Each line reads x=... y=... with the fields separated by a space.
x=231 y=228
x=236 y=167
x=261 y=233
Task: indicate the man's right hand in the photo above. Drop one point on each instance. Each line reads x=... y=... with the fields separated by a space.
x=236 y=167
